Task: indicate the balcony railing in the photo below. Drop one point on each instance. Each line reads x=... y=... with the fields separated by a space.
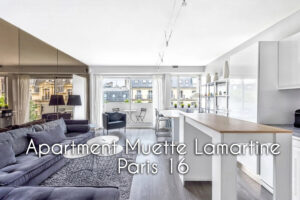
x=45 y=98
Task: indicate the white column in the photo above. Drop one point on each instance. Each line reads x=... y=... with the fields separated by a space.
x=224 y=174
x=283 y=167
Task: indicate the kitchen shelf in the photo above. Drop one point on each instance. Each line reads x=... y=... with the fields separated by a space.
x=216 y=87
x=222 y=96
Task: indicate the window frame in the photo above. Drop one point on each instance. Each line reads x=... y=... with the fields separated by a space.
x=179 y=89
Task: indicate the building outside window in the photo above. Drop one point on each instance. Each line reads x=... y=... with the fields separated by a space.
x=138 y=95
x=40 y=94
x=184 y=91
x=3 y=95
x=129 y=95
x=149 y=94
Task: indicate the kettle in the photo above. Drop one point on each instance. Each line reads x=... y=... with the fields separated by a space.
x=297 y=118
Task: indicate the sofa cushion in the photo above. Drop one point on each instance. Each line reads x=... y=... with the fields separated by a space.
x=81 y=128
x=19 y=139
x=61 y=193
x=76 y=121
x=7 y=154
x=25 y=168
x=37 y=127
x=5 y=136
x=50 y=136
x=52 y=124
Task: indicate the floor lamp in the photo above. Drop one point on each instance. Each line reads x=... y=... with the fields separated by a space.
x=74 y=100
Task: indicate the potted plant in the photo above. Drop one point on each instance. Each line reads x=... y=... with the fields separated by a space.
x=138 y=101
x=195 y=105
x=126 y=101
x=182 y=105
x=6 y=106
x=189 y=105
x=175 y=105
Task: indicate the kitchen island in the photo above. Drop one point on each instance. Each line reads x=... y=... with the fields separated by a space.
x=221 y=168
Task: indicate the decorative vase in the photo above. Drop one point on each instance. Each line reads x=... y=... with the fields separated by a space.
x=208 y=78
x=226 y=70
x=216 y=77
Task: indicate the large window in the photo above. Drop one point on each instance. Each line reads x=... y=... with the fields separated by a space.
x=185 y=92
x=243 y=99
x=132 y=96
x=41 y=91
x=3 y=91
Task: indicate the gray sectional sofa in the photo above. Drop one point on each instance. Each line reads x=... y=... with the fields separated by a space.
x=61 y=193
x=20 y=169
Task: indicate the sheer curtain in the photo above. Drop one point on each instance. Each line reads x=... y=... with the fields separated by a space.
x=158 y=100
x=80 y=88
x=96 y=100
x=19 y=97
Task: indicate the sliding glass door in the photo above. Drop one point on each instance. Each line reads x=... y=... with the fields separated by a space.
x=116 y=95
x=132 y=96
x=141 y=101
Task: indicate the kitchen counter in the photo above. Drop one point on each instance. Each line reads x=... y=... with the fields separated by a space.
x=196 y=130
x=296 y=131
x=229 y=125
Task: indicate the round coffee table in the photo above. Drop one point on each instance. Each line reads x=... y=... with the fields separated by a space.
x=77 y=153
x=106 y=140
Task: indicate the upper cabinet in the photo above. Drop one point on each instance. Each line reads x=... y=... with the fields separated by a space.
x=289 y=62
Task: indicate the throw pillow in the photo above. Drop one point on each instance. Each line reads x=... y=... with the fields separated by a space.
x=50 y=136
x=19 y=139
x=52 y=124
x=37 y=127
x=7 y=154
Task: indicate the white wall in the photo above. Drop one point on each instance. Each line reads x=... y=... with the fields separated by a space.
x=282 y=29
x=274 y=106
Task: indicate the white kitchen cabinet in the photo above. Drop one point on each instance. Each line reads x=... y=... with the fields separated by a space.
x=289 y=62
x=296 y=169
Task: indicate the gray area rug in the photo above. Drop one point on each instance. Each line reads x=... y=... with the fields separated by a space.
x=95 y=171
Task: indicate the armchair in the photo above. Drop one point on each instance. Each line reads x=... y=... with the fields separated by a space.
x=113 y=120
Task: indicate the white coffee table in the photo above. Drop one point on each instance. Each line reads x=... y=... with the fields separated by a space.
x=106 y=140
x=76 y=153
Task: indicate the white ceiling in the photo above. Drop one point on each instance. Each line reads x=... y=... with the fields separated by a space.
x=131 y=32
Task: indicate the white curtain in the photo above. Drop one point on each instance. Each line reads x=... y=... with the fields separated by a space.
x=96 y=100
x=80 y=88
x=20 y=98
x=158 y=96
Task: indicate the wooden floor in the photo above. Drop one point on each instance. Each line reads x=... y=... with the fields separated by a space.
x=164 y=186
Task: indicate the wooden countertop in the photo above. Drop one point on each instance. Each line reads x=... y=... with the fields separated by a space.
x=229 y=125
